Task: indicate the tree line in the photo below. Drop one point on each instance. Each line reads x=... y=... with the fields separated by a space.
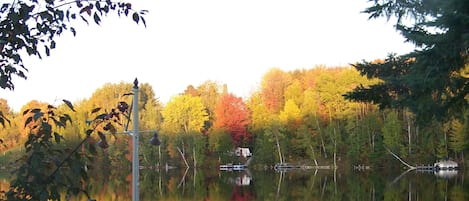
x=294 y=116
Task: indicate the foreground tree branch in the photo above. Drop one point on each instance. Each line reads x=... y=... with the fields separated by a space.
x=31 y=27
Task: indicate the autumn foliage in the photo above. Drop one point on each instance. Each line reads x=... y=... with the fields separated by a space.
x=232 y=115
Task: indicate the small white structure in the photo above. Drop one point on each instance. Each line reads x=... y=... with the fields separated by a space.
x=243 y=152
x=445 y=165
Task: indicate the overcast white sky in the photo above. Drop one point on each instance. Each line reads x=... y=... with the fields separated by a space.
x=187 y=42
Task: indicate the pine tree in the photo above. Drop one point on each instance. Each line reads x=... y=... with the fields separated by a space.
x=432 y=80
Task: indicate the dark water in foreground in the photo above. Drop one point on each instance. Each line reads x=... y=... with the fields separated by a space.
x=214 y=185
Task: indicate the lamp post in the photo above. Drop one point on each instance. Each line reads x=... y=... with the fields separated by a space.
x=135 y=135
x=135 y=145
x=135 y=142
x=135 y=161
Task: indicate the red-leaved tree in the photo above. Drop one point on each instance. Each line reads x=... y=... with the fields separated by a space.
x=233 y=116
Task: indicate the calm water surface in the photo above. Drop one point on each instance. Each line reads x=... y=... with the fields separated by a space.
x=215 y=185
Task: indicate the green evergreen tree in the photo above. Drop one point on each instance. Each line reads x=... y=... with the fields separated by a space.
x=432 y=81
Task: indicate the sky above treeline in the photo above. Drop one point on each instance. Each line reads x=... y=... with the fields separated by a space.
x=187 y=42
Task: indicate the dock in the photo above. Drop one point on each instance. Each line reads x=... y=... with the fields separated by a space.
x=233 y=167
x=440 y=165
x=282 y=167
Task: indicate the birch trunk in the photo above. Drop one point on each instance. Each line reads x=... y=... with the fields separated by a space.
x=183 y=157
x=278 y=149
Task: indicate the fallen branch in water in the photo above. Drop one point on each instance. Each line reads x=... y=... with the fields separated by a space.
x=402 y=161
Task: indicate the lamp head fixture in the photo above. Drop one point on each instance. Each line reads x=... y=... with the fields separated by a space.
x=155 y=140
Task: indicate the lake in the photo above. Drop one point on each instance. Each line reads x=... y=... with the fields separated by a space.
x=215 y=185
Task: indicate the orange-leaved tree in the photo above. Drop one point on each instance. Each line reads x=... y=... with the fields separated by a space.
x=233 y=115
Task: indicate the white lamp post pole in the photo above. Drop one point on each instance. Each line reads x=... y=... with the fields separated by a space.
x=135 y=142
x=135 y=158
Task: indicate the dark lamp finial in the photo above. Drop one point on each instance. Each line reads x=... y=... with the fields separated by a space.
x=135 y=83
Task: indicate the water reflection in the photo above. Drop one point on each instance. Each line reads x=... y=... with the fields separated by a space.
x=216 y=185
x=238 y=178
x=446 y=174
x=442 y=174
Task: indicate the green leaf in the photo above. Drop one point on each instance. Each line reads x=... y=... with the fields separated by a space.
x=98 y=6
x=144 y=22
x=69 y=104
x=73 y=31
x=47 y=50
x=84 y=19
x=66 y=118
x=96 y=18
x=95 y=110
x=3 y=119
x=60 y=15
x=58 y=123
x=38 y=115
x=135 y=17
x=57 y=137
x=127 y=94
x=25 y=112
x=102 y=136
x=101 y=116
x=88 y=132
x=44 y=15
x=63 y=120
x=16 y=57
x=107 y=126
x=35 y=110
x=4 y=7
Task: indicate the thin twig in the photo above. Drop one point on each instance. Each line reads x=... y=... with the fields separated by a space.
x=68 y=157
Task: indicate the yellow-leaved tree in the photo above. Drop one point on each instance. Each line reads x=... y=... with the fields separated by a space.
x=184 y=114
x=184 y=118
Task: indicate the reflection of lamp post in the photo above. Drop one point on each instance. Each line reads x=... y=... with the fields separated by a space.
x=135 y=134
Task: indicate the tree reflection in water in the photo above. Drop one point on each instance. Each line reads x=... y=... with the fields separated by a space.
x=211 y=184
